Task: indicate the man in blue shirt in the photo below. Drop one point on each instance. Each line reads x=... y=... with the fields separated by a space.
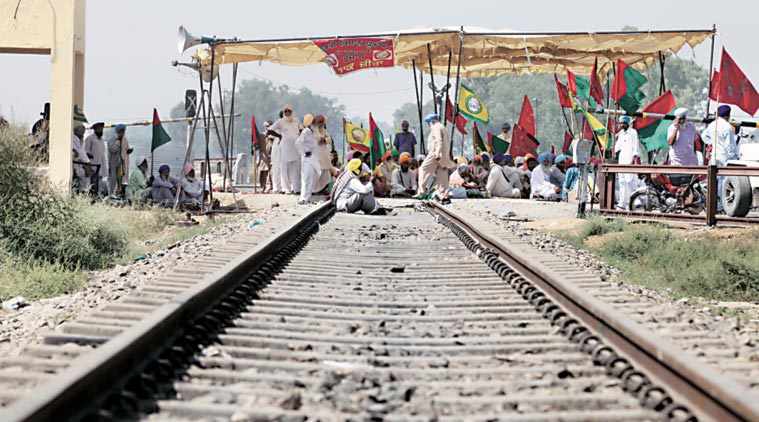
x=405 y=141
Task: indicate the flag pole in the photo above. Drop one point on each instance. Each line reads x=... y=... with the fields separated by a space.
x=711 y=69
x=447 y=86
x=419 y=102
x=432 y=78
x=458 y=84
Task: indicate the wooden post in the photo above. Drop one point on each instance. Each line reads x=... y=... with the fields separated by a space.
x=711 y=195
x=711 y=69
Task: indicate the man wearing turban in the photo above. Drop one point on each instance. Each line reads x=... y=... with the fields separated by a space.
x=287 y=129
x=681 y=137
x=307 y=147
x=164 y=186
x=540 y=180
x=726 y=146
x=137 y=189
x=438 y=161
x=403 y=182
x=118 y=160
x=628 y=147
x=350 y=194
x=503 y=181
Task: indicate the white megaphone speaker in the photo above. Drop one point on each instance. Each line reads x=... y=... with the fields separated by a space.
x=186 y=40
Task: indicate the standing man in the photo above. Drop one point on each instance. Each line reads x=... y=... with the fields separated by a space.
x=324 y=146
x=505 y=134
x=437 y=162
x=727 y=148
x=405 y=141
x=94 y=145
x=118 y=160
x=287 y=129
x=264 y=155
x=681 y=137
x=276 y=160
x=627 y=146
x=80 y=158
x=309 y=168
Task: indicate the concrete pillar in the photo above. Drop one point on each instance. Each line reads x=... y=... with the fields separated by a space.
x=66 y=87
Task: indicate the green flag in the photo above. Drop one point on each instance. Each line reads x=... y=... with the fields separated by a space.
x=653 y=132
x=160 y=136
x=377 y=141
x=626 y=88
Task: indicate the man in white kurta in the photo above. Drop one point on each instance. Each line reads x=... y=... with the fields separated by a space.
x=94 y=145
x=288 y=129
x=438 y=161
x=309 y=170
x=540 y=180
x=192 y=188
x=628 y=147
x=726 y=146
x=79 y=155
x=503 y=181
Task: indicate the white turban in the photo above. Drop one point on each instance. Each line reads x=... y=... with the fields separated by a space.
x=681 y=112
x=141 y=159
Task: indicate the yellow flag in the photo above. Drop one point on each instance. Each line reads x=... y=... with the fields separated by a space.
x=357 y=137
x=596 y=126
x=471 y=106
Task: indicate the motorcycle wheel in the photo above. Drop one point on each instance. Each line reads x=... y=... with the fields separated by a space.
x=647 y=200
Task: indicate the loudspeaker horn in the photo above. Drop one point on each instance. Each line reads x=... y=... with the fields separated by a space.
x=186 y=39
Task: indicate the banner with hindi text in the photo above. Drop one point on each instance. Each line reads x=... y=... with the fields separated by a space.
x=346 y=55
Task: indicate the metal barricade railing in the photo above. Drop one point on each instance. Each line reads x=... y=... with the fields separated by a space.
x=607 y=180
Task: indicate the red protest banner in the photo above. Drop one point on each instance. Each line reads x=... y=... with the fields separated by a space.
x=346 y=55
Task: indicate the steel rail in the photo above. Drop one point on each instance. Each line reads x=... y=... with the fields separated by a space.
x=92 y=376
x=705 y=393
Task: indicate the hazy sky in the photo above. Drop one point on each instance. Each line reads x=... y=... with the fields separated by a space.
x=131 y=43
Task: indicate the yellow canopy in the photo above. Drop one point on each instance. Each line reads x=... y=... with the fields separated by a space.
x=484 y=53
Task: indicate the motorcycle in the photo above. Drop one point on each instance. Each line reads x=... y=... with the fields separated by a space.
x=673 y=193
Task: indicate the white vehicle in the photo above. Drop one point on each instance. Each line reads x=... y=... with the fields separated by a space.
x=741 y=193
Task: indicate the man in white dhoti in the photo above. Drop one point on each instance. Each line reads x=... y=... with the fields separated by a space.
x=287 y=129
x=438 y=161
x=628 y=147
x=540 y=180
x=727 y=148
x=306 y=146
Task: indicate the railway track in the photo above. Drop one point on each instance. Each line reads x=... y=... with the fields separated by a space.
x=420 y=316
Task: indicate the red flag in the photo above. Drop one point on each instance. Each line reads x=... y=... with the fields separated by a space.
x=596 y=90
x=587 y=132
x=571 y=82
x=662 y=105
x=563 y=94
x=619 y=87
x=522 y=143
x=553 y=150
x=715 y=85
x=253 y=131
x=567 y=147
x=527 y=117
x=735 y=88
x=460 y=120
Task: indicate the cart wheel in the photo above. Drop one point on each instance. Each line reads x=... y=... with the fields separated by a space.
x=736 y=196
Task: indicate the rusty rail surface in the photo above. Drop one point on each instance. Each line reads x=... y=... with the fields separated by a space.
x=703 y=391
x=607 y=181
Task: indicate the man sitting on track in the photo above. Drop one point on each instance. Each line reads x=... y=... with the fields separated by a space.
x=351 y=195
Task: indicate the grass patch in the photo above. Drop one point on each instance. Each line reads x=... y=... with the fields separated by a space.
x=704 y=265
x=593 y=226
x=48 y=243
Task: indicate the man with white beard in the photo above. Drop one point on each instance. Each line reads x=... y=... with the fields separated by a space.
x=324 y=141
x=306 y=145
x=287 y=129
x=629 y=151
x=540 y=181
